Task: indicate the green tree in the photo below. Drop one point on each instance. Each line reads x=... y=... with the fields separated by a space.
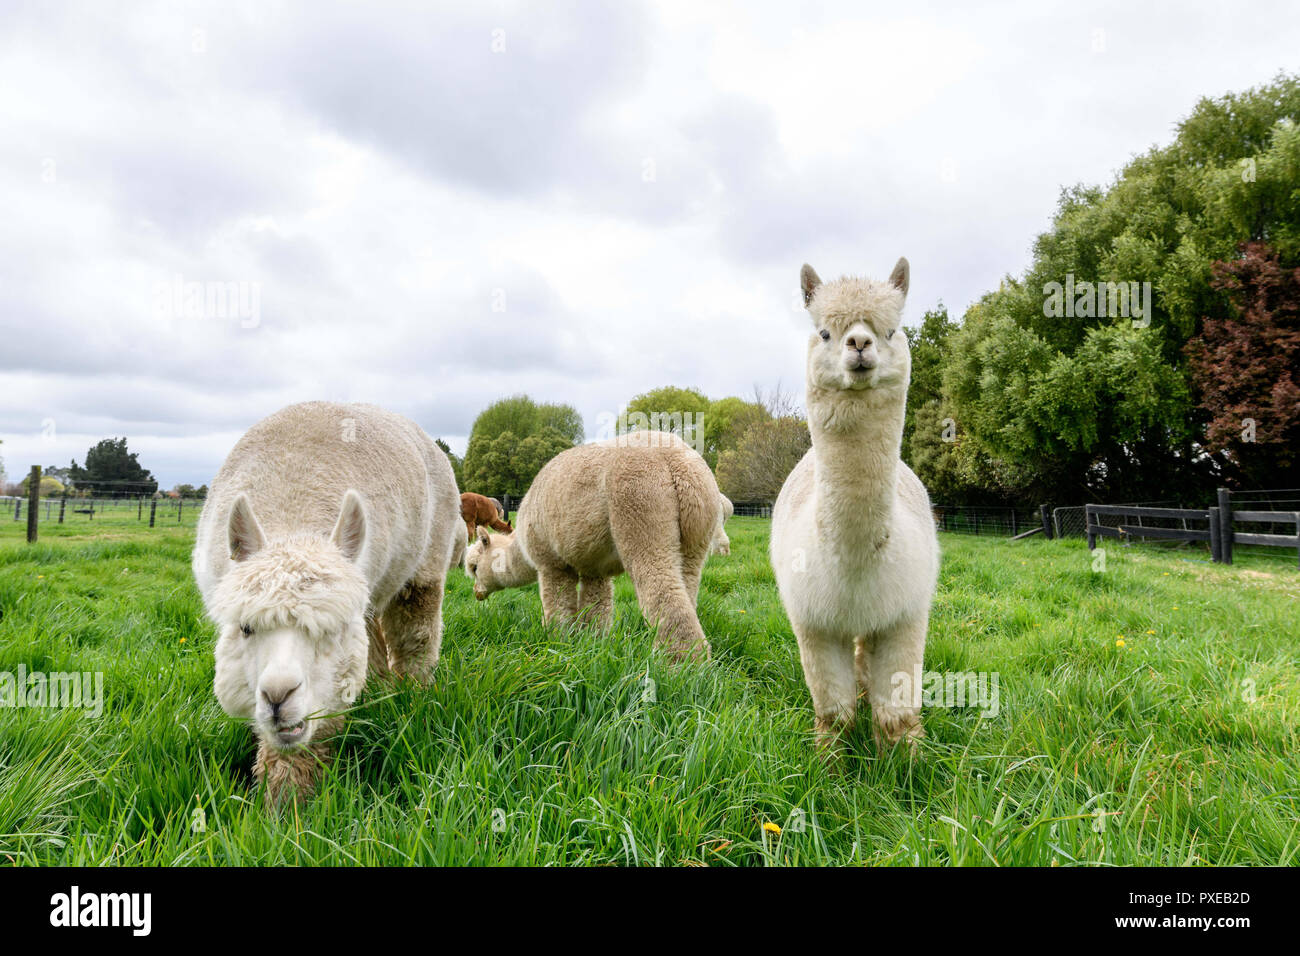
x=725 y=423
x=757 y=467
x=512 y=439
x=522 y=416
x=1063 y=406
x=111 y=469
x=50 y=486
x=457 y=464
x=681 y=411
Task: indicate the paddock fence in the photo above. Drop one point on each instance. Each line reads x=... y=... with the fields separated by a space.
x=1254 y=521
x=105 y=511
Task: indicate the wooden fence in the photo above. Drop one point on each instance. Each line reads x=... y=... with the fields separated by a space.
x=1216 y=525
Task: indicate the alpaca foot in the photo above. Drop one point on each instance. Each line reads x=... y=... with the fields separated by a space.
x=900 y=728
x=829 y=736
x=698 y=651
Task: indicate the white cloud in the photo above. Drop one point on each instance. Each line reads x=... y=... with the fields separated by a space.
x=636 y=185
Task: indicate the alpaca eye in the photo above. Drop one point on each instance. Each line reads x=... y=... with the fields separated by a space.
x=890 y=334
x=473 y=568
x=826 y=336
x=247 y=629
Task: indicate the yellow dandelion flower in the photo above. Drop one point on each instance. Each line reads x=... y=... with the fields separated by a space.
x=771 y=827
x=1150 y=632
x=1120 y=643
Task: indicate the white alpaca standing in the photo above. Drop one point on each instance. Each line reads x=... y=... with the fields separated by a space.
x=853 y=541
x=324 y=521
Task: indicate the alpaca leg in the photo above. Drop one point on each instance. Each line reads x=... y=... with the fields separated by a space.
x=692 y=571
x=559 y=594
x=413 y=624
x=596 y=602
x=470 y=528
x=646 y=534
x=377 y=665
x=895 y=672
x=862 y=665
x=665 y=602
x=293 y=775
x=828 y=670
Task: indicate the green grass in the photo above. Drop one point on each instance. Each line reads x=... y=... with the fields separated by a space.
x=544 y=747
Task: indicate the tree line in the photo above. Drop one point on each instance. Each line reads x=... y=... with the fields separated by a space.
x=1150 y=351
x=1034 y=396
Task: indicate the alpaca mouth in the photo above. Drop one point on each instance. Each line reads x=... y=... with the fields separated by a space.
x=860 y=376
x=292 y=733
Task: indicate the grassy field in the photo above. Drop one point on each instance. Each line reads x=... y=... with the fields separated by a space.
x=1147 y=715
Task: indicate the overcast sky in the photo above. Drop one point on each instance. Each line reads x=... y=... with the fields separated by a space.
x=432 y=206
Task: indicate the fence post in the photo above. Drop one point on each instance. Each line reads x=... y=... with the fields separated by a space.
x=1087 y=528
x=153 y=510
x=1045 y=516
x=1014 y=528
x=976 y=518
x=1216 y=543
x=139 y=511
x=33 y=503
x=18 y=508
x=63 y=505
x=180 y=503
x=1225 y=525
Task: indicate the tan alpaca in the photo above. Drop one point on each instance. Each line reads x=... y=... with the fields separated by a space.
x=853 y=543
x=324 y=521
x=645 y=503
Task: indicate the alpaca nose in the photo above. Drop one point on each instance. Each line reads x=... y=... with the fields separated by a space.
x=859 y=341
x=277 y=694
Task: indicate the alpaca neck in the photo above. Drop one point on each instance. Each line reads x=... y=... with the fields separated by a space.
x=517 y=572
x=856 y=439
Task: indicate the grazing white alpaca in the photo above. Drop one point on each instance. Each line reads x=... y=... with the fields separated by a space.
x=324 y=521
x=644 y=502
x=853 y=542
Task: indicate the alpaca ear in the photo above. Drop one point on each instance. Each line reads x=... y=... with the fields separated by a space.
x=901 y=275
x=243 y=532
x=350 y=530
x=484 y=536
x=808 y=281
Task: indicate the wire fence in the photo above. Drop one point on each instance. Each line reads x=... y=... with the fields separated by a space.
x=103 y=512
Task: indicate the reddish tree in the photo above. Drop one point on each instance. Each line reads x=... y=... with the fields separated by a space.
x=1246 y=366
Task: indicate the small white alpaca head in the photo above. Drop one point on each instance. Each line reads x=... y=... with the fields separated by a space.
x=856 y=342
x=292 y=644
x=485 y=562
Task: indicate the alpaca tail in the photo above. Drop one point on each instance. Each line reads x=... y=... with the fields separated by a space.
x=699 y=508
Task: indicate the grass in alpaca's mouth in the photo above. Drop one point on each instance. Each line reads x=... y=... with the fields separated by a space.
x=293 y=732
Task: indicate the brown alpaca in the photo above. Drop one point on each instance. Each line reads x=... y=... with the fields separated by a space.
x=479 y=510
